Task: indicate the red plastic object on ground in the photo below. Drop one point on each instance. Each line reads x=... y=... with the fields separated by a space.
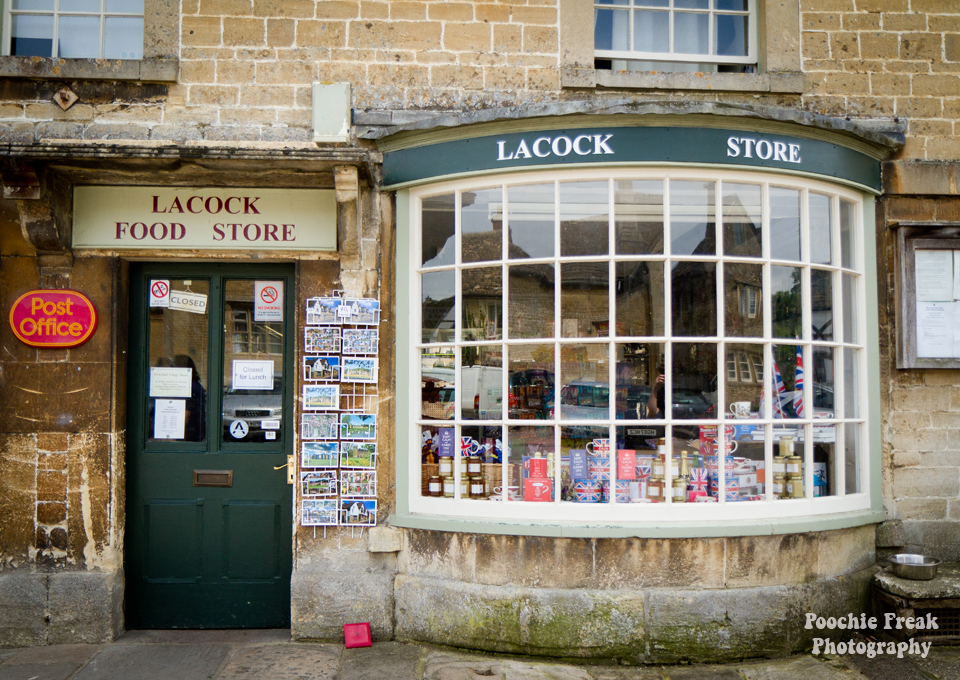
x=356 y=635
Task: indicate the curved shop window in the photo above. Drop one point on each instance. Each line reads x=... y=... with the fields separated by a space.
x=637 y=345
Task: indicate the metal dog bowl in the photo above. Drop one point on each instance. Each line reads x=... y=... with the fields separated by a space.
x=914 y=567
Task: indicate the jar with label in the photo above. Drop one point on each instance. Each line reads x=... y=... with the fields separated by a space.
x=473 y=465
x=448 y=487
x=658 y=465
x=793 y=465
x=779 y=465
x=463 y=465
x=446 y=466
x=674 y=467
x=435 y=486
x=464 y=487
x=795 y=486
x=476 y=486
x=655 y=489
x=780 y=486
x=679 y=490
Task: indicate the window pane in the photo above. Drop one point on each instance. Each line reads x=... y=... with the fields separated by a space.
x=31 y=36
x=649 y=3
x=824 y=460
x=821 y=304
x=125 y=6
x=80 y=6
x=611 y=30
x=531 y=382
x=651 y=32
x=530 y=308
x=437 y=218
x=743 y=300
x=691 y=33
x=640 y=298
x=852 y=446
x=438 y=382
x=584 y=382
x=851 y=383
x=742 y=234
x=784 y=393
x=785 y=302
x=823 y=363
x=849 y=302
x=694 y=393
x=250 y=340
x=584 y=299
x=531 y=219
x=731 y=5
x=638 y=215
x=821 y=233
x=486 y=443
x=79 y=37
x=481 y=215
x=438 y=290
x=481 y=383
x=848 y=241
x=744 y=380
x=784 y=224
x=37 y=5
x=584 y=218
x=692 y=221
x=694 y=298
x=531 y=481
x=692 y=4
x=731 y=35
x=637 y=371
x=481 y=302
x=590 y=482
x=178 y=340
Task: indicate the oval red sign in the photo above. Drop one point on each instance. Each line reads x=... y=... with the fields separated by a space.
x=53 y=318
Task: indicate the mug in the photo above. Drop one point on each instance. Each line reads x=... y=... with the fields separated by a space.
x=731 y=445
x=469 y=446
x=740 y=409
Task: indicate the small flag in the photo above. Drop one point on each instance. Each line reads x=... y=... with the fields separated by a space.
x=779 y=388
x=798 y=384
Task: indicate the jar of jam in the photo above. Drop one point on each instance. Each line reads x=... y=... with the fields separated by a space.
x=780 y=486
x=795 y=486
x=448 y=487
x=473 y=465
x=446 y=466
x=779 y=465
x=655 y=489
x=679 y=490
x=794 y=465
x=477 y=487
x=435 y=486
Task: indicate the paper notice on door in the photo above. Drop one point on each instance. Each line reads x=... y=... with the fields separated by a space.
x=170 y=382
x=935 y=329
x=268 y=301
x=934 y=272
x=169 y=418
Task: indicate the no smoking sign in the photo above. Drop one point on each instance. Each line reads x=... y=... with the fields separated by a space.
x=159 y=293
x=268 y=301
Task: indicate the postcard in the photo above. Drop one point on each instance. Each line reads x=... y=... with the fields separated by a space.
x=321 y=339
x=319 y=425
x=319 y=512
x=321 y=397
x=322 y=310
x=358 y=426
x=360 y=370
x=358 y=483
x=358 y=512
x=319 y=454
x=363 y=311
x=321 y=368
x=320 y=483
x=358 y=454
x=360 y=340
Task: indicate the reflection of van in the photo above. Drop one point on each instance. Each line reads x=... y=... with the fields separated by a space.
x=585 y=400
x=481 y=390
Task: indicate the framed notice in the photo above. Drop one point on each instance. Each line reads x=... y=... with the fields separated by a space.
x=928 y=309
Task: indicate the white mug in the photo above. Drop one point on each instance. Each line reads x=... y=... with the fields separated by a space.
x=740 y=409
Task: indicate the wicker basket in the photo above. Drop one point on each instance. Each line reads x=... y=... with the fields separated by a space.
x=427 y=470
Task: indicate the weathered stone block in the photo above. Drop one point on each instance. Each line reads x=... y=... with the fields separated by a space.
x=323 y=601
x=546 y=622
x=321 y=34
x=246 y=32
x=384 y=539
x=890 y=534
x=85 y=607
x=23 y=605
x=450 y=11
x=200 y=30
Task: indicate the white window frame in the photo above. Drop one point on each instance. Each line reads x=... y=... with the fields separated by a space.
x=707 y=58
x=671 y=514
x=56 y=13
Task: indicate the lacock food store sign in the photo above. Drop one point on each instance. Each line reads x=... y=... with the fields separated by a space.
x=204 y=218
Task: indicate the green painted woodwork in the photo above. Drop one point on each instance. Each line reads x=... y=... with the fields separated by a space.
x=206 y=557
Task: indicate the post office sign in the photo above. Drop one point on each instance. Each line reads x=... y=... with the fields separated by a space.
x=53 y=318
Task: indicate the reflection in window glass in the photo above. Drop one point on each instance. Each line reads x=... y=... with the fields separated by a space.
x=784 y=224
x=821 y=304
x=744 y=384
x=785 y=302
x=481 y=290
x=438 y=291
x=785 y=396
x=742 y=234
x=743 y=306
x=821 y=231
x=694 y=381
x=481 y=382
x=638 y=215
x=849 y=305
x=481 y=215
x=640 y=298
x=437 y=220
x=848 y=255
x=531 y=301
x=584 y=384
x=638 y=365
x=852 y=457
x=123 y=37
x=692 y=227
x=851 y=383
x=584 y=218
x=531 y=215
x=531 y=382
x=694 y=287
x=438 y=383
x=584 y=299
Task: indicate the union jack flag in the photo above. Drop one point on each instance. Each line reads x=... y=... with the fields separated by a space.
x=587 y=491
x=699 y=479
x=798 y=384
x=779 y=388
x=643 y=471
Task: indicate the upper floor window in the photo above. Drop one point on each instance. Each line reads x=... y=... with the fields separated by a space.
x=675 y=35
x=108 y=29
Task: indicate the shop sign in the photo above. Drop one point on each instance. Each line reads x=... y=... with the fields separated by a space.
x=167 y=218
x=53 y=318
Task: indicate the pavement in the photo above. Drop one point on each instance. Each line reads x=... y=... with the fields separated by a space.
x=271 y=655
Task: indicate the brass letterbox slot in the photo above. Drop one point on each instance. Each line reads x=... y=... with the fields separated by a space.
x=213 y=477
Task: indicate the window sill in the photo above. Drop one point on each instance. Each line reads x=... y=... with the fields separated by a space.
x=781 y=83
x=149 y=70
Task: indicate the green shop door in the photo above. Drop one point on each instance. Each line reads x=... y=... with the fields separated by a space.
x=209 y=520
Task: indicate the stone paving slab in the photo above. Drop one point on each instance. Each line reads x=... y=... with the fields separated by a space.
x=38 y=671
x=282 y=661
x=56 y=654
x=942 y=662
x=382 y=661
x=156 y=662
x=800 y=668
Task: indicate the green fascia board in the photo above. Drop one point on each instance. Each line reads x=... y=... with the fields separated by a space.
x=583 y=147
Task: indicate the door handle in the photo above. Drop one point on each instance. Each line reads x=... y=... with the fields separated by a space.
x=290 y=465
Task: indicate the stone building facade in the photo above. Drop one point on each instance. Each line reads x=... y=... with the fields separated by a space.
x=223 y=98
